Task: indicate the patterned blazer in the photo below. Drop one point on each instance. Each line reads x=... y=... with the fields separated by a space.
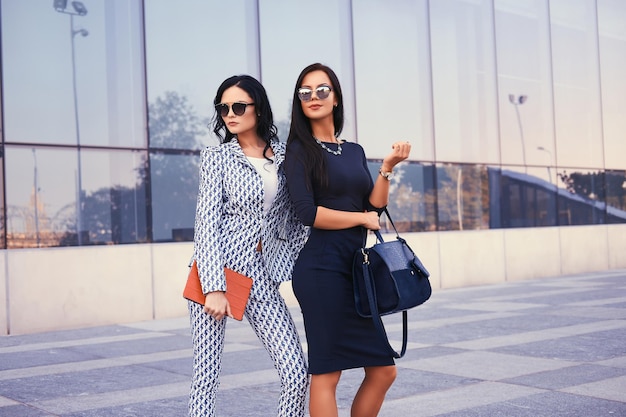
x=230 y=221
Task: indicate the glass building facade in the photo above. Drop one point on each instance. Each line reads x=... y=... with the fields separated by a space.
x=515 y=108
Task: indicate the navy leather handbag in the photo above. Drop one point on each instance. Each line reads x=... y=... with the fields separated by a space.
x=389 y=278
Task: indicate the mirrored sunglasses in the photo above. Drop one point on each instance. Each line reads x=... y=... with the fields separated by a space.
x=306 y=94
x=238 y=108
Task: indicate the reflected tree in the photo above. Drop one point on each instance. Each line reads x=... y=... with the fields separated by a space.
x=175 y=132
x=174 y=124
x=588 y=185
x=609 y=186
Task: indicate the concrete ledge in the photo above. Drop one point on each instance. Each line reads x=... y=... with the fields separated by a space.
x=62 y=288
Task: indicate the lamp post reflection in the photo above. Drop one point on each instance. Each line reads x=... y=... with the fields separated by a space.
x=79 y=9
x=35 y=197
x=518 y=101
x=541 y=148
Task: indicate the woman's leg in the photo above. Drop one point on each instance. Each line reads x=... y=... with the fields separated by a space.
x=371 y=393
x=323 y=400
x=208 y=343
x=274 y=326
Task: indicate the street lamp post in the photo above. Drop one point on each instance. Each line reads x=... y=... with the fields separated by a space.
x=541 y=148
x=79 y=9
x=518 y=101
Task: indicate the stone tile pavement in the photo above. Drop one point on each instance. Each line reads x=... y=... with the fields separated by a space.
x=547 y=347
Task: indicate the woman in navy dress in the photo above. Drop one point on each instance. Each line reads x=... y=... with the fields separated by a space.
x=333 y=192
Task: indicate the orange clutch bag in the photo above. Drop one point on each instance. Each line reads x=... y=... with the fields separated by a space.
x=237 y=290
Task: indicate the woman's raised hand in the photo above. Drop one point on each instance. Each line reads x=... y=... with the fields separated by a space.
x=399 y=152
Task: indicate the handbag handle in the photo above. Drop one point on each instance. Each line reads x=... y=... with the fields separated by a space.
x=377 y=319
x=379 y=236
x=390 y=221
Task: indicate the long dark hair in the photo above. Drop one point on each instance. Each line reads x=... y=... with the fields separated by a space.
x=300 y=129
x=265 y=127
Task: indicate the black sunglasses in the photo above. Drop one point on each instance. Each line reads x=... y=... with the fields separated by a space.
x=238 y=108
x=306 y=94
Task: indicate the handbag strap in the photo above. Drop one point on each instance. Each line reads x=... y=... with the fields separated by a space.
x=391 y=221
x=378 y=321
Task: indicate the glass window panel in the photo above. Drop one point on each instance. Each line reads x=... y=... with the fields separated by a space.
x=43 y=190
x=73 y=79
x=174 y=193
x=2 y=205
x=463 y=197
x=612 y=29
x=464 y=81
x=114 y=196
x=616 y=196
x=524 y=82
x=412 y=197
x=581 y=196
x=576 y=83
x=393 y=76
x=191 y=47
x=527 y=198
x=305 y=32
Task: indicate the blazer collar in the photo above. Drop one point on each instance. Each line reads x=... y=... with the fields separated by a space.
x=278 y=149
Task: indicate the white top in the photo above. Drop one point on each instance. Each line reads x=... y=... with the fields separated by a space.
x=267 y=171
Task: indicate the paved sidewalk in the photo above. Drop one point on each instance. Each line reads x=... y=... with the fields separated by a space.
x=549 y=347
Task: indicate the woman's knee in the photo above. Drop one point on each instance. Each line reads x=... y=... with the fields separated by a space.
x=385 y=375
x=329 y=380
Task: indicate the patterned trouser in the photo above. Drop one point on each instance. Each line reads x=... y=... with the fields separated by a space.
x=274 y=326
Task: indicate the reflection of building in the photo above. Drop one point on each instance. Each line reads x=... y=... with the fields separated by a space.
x=146 y=78
x=527 y=201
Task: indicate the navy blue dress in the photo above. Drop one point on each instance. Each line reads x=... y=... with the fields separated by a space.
x=338 y=338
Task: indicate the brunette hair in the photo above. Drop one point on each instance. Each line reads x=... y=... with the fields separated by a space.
x=265 y=127
x=300 y=129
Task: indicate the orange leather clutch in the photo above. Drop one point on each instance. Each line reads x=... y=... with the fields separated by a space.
x=237 y=290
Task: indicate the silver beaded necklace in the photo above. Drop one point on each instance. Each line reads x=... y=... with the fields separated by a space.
x=337 y=152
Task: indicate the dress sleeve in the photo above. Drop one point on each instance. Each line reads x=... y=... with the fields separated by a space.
x=209 y=207
x=300 y=186
x=366 y=203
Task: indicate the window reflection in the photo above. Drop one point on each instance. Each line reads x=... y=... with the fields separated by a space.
x=90 y=89
x=524 y=81
x=191 y=47
x=576 y=83
x=412 y=197
x=464 y=81
x=463 y=200
x=526 y=198
x=174 y=124
x=295 y=34
x=612 y=30
x=582 y=195
x=44 y=209
x=174 y=192
x=616 y=196
x=392 y=77
x=560 y=97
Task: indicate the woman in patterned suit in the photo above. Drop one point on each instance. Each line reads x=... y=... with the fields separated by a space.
x=245 y=221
